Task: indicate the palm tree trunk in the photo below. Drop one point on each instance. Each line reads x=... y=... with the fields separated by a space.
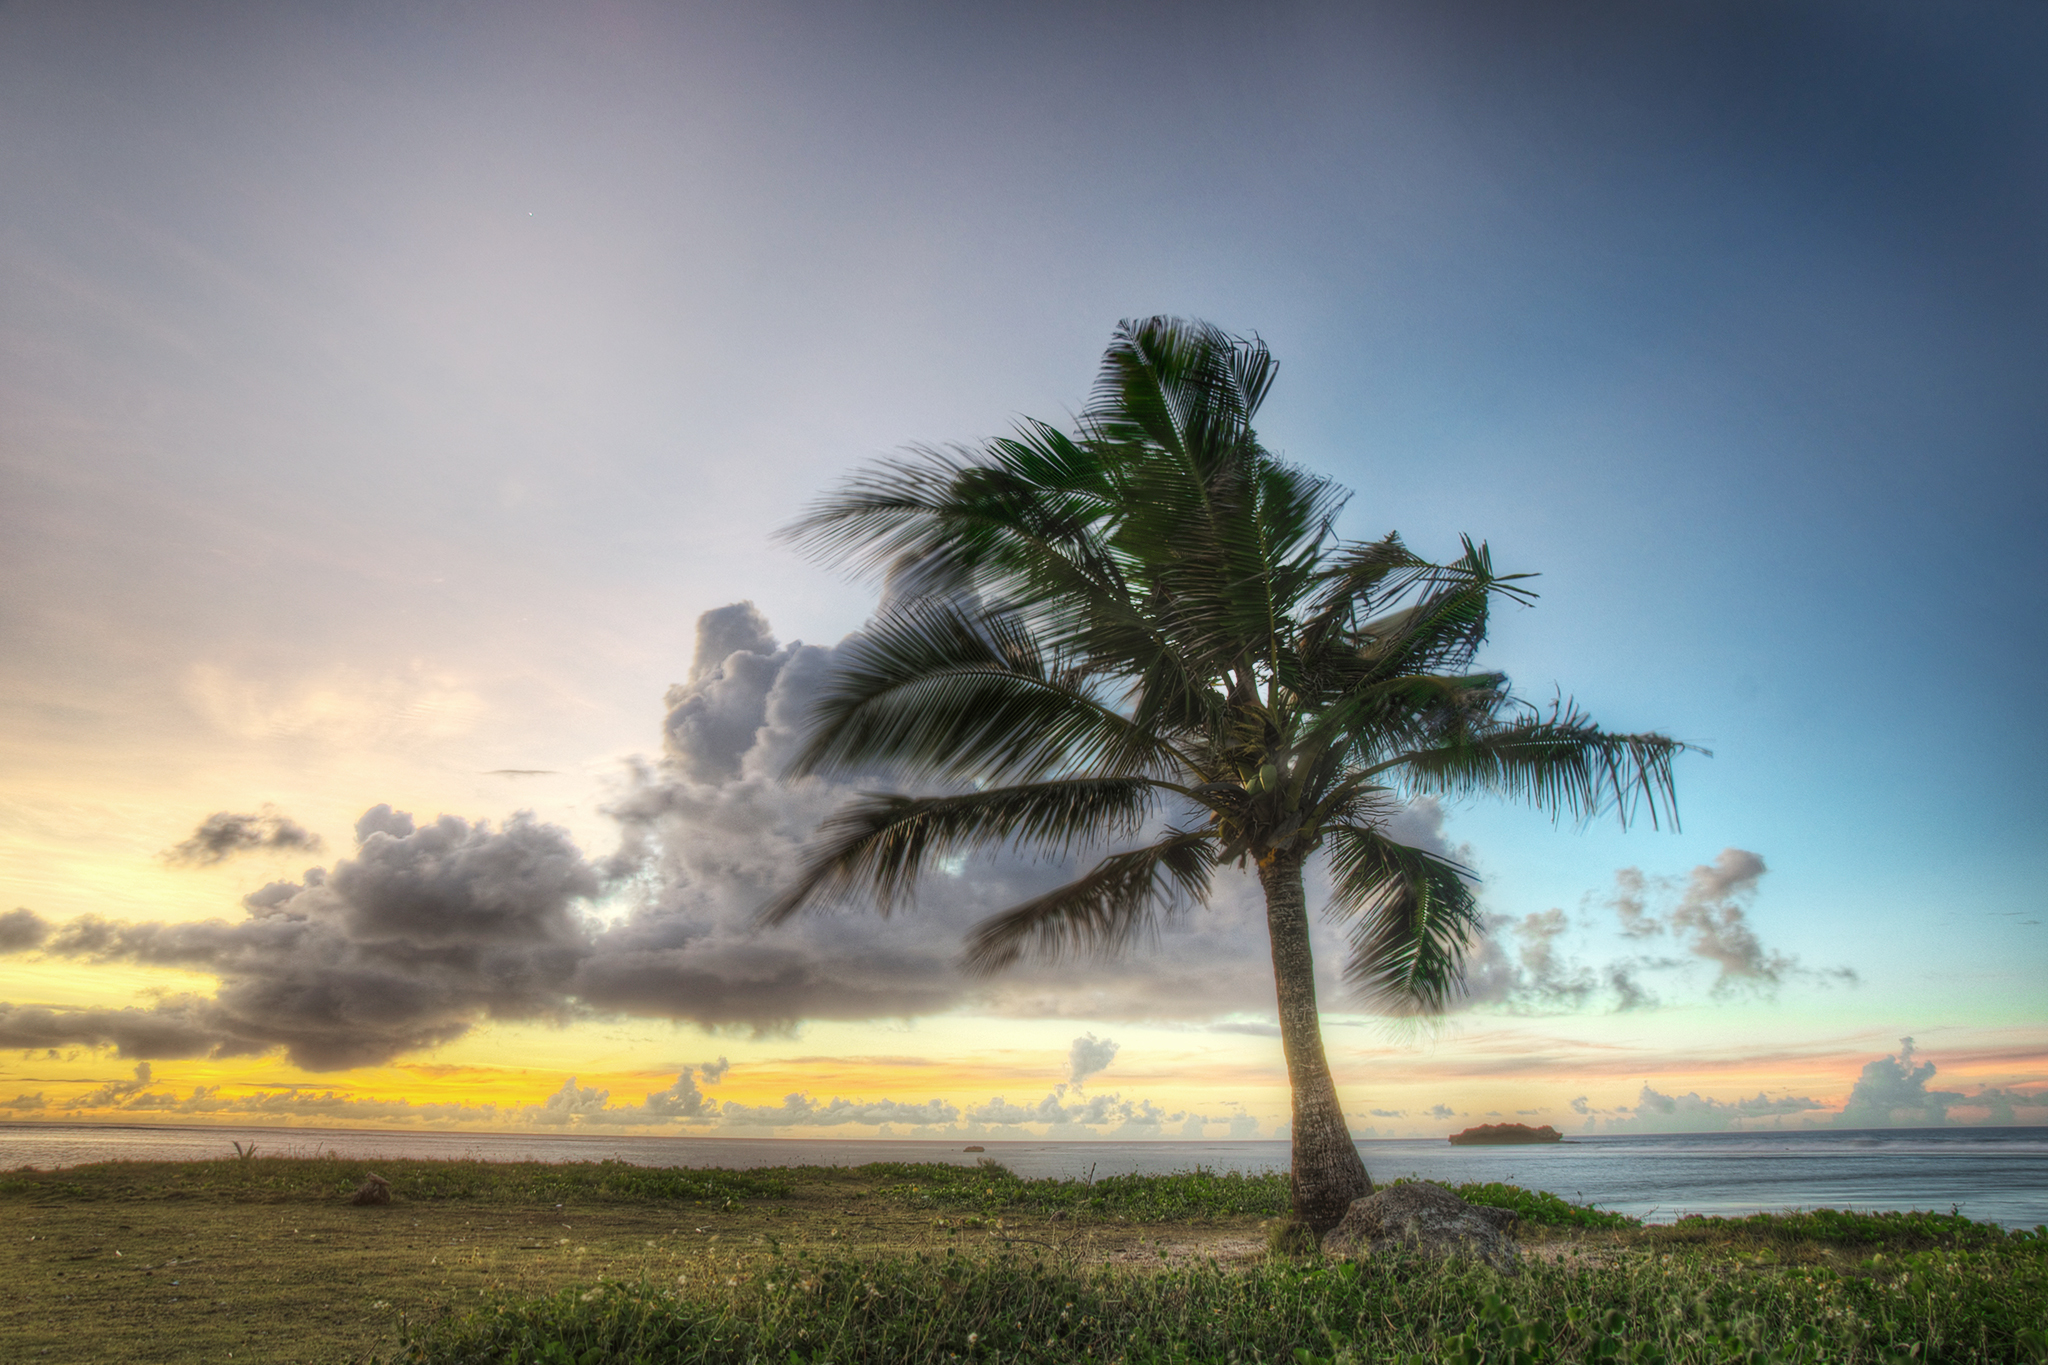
x=1328 y=1173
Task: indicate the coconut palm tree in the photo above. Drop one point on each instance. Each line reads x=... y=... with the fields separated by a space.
x=1146 y=636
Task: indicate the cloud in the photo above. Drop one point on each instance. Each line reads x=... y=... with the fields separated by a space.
x=115 y=1093
x=1121 y=1117
x=179 y=1026
x=1441 y=1111
x=1709 y=921
x=1523 y=965
x=1892 y=1093
x=682 y=1104
x=1712 y=918
x=580 y=1107
x=1655 y=1112
x=800 y=1111
x=1088 y=1056
x=427 y=932
x=223 y=834
x=432 y=929
x=711 y=830
x=21 y=929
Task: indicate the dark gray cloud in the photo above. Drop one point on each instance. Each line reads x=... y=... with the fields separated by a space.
x=20 y=929
x=224 y=834
x=180 y=1026
x=711 y=831
x=426 y=932
x=432 y=929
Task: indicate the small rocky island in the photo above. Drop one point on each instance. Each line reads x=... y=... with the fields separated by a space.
x=1504 y=1134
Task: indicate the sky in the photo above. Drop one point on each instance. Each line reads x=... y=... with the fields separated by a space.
x=398 y=662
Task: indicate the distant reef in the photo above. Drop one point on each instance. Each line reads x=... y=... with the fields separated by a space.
x=1504 y=1135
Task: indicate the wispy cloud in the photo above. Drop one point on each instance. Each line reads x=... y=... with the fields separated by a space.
x=1525 y=966
x=224 y=834
x=1087 y=1056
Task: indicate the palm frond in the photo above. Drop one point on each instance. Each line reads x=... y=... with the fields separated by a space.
x=878 y=845
x=1562 y=763
x=1103 y=911
x=1027 y=509
x=940 y=687
x=1415 y=919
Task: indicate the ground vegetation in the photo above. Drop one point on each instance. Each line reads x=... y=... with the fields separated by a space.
x=269 y=1260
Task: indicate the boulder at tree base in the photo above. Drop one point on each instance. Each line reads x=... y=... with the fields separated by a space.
x=1428 y=1219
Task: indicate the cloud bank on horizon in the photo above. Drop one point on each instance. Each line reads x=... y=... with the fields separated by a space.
x=1890 y=1092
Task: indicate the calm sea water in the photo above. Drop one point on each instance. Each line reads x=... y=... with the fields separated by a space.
x=1997 y=1175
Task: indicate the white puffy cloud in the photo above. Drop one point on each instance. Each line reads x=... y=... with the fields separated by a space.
x=1892 y=1093
x=1655 y=1112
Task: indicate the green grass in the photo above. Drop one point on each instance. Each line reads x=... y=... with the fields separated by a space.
x=272 y=1180
x=1836 y=1227
x=1980 y=1304
x=1540 y=1207
x=990 y=1188
x=518 y=1263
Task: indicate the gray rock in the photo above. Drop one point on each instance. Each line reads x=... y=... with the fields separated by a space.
x=1428 y=1219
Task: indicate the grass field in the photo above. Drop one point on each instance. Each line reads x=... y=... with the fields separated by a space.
x=266 y=1260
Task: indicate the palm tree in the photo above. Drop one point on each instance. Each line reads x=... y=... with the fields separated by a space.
x=1146 y=636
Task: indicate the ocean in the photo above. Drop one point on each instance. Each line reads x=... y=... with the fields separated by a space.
x=1997 y=1175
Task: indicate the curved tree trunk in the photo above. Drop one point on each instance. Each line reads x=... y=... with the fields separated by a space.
x=1328 y=1173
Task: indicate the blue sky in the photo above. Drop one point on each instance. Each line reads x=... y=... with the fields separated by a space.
x=385 y=392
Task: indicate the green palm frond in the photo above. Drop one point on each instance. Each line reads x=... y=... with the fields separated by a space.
x=1029 y=507
x=879 y=844
x=1562 y=763
x=1118 y=900
x=937 y=687
x=1415 y=919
